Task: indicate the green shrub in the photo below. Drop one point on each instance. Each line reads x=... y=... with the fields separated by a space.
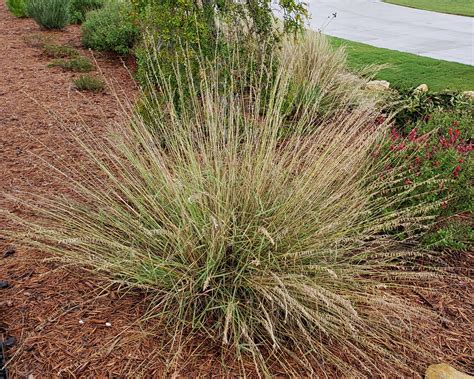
x=50 y=14
x=79 y=9
x=411 y=106
x=53 y=50
x=110 y=28
x=17 y=7
x=89 y=83
x=77 y=64
x=453 y=236
x=274 y=250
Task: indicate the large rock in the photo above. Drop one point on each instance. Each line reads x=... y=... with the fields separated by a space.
x=422 y=88
x=445 y=371
x=469 y=94
x=378 y=85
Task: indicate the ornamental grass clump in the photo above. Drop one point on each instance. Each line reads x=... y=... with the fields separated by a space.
x=274 y=246
x=89 y=83
x=49 y=14
x=77 y=63
x=54 y=50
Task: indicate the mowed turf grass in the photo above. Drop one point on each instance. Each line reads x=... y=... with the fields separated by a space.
x=409 y=70
x=460 y=7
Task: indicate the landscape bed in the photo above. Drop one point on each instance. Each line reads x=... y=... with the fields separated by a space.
x=174 y=245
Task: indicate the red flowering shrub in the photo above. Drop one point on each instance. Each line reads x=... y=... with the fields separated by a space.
x=443 y=156
x=441 y=149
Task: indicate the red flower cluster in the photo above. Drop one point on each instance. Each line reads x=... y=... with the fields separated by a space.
x=430 y=150
x=456 y=171
x=394 y=135
x=453 y=136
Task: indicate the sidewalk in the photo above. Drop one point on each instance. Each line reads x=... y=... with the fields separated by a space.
x=430 y=34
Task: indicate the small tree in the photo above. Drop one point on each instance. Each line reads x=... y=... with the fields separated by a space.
x=258 y=14
x=205 y=26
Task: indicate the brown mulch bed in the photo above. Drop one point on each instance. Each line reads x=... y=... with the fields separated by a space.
x=67 y=323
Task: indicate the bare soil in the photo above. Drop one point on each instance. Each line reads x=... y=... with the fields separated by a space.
x=67 y=323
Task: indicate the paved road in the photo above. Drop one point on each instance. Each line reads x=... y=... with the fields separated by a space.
x=430 y=34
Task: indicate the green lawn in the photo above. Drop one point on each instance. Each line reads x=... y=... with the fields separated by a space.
x=408 y=70
x=462 y=7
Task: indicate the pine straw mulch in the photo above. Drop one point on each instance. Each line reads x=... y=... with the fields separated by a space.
x=70 y=324
x=67 y=323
